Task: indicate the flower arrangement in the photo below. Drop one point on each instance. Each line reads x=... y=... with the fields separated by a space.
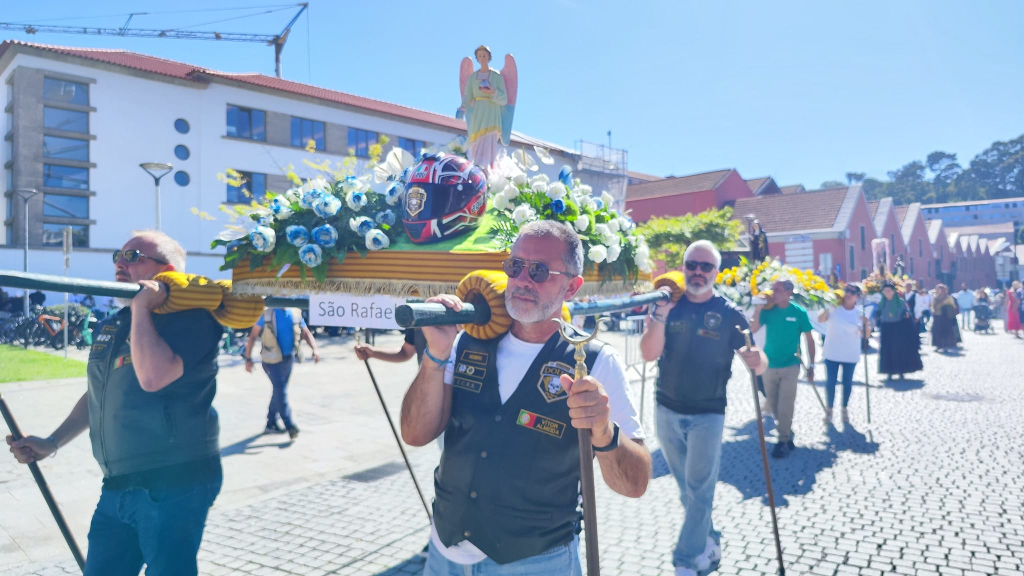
x=609 y=239
x=743 y=283
x=874 y=282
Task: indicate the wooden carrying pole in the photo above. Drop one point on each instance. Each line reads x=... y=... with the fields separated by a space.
x=44 y=488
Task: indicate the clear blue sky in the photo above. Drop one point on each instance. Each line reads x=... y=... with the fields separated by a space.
x=804 y=91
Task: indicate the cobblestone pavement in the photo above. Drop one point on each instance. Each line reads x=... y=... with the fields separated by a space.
x=933 y=486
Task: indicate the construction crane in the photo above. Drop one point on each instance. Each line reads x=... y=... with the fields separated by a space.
x=275 y=40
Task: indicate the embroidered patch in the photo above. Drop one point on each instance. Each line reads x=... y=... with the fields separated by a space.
x=109 y=328
x=101 y=337
x=540 y=423
x=677 y=326
x=95 y=349
x=708 y=334
x=550 y=384
x=474 y=357
x=477 y=372
x=712 y=320
x=415 y=200
x=122 y=361
x=467 y=384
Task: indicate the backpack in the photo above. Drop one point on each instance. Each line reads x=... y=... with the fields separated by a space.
x=270 y=350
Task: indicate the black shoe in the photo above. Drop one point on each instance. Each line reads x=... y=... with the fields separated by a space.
x=782 y=449
x=273 y=429
x=293 y=432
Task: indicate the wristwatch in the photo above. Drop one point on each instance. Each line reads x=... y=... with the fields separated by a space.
x=614 y=443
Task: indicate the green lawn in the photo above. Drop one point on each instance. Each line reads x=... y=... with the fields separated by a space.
x=18 y=364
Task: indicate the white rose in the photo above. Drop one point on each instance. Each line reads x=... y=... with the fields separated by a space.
x=520 y=179
x=540 y=179
x=521 y=214
x=497 y=182
x=611 y=240
x=607 y=199
x=613 y=252
x=613 y=224
x=500 y=202
x=556 y=191
x=591 y=204
x=510 y=191
x=541 y=187
x=584 y=189
x=602 y=230
x=582 y=223
x=597 y=253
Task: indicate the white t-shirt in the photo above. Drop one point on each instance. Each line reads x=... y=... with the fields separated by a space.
x=842 y=335
x=921 y=303
x=514 y=359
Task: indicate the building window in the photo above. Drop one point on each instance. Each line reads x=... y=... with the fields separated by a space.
x=181 y=177
x=64 y=91
x=892 y=242
x=181 y=152
x=853 y=263
x=181 y=125
x=254 y=187
x=65 y=177
x=61 y=206
x=911 y=266
x=929 y=269
x=359 y=141
x=65 y=148
x=69 y=120
x=305 y=130
x=863 y=273
x=53 y=235
x=413 y=147
x=920 y=248
x=246 y=123
x=863 y=239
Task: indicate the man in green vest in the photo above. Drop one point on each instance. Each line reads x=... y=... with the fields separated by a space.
x=507 y=488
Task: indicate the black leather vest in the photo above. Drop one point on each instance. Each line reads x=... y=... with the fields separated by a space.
x=509 y=476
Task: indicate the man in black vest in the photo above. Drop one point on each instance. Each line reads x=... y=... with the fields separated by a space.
x=148 y=410
x=694 y=341
x=507 y=489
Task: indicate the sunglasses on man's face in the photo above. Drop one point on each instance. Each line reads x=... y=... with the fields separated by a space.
x=538 y=271
x=705 y=267
x=132 y=256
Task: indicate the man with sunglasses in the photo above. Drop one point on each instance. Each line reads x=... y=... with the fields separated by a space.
x=507 y=488
x=154 y=432
x=694 y=341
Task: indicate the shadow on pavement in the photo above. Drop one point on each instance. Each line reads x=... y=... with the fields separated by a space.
x=903 y=385
x=243 y=446
x=413 y=565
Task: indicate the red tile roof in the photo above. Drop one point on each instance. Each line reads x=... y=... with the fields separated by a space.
x=642 y=176
x=793 y=189
x=189 y=72
x=815 y=210
x=901 y=213
x=755 y=183
x=873 y=207
x=676 y=185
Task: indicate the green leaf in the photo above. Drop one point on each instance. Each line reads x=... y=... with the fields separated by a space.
x=320 y=272
x=255 y=262
x=302 y=272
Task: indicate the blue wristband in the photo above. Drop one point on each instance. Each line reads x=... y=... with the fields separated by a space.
x=431 y=356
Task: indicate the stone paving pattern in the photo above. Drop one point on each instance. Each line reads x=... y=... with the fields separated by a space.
x=934 y=486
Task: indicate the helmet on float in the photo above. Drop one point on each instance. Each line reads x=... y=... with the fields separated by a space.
x=445 y=196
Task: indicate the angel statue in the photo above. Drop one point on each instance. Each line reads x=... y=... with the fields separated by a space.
x=488 y=103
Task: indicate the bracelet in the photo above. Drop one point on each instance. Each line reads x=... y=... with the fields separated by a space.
x=439 y=362
x=56 y=446
x=656 y=319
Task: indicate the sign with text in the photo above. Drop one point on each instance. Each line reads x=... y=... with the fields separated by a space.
x=354 y=311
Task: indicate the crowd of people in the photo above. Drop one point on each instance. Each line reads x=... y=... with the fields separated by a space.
x=506 y=411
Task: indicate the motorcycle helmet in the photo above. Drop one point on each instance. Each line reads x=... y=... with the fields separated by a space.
x=445 y=196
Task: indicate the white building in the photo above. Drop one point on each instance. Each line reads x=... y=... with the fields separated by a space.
x=79 y=121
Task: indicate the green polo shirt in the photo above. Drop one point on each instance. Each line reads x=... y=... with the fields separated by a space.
x=782 y=337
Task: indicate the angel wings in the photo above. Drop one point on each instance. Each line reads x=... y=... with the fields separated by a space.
x=509 y=75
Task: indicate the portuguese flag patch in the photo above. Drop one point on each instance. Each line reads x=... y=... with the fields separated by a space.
x=540 y=423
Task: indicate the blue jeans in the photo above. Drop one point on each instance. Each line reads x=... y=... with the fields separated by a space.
x=279 y=374
x=692 y=445
x=560 y=561
x=832 y=372
x=160 y=527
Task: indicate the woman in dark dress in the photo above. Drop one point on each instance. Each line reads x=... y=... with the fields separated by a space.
x=945 y=333
x=899 y=343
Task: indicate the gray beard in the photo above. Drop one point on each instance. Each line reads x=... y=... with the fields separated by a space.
x=699 y=290
x=540 y=313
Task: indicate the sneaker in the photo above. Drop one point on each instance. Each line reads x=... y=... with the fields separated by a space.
x=713 y=552
x=846 y=416
x=782 y=449
x=684 y=571
x=273 y=429
x=293 y=432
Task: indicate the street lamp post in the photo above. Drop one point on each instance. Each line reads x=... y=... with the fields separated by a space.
x=157 y=170
x=26 y=194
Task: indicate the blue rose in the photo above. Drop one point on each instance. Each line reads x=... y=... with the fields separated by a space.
x=297 y=235
x=325 y=235
x=327 y=206
x=361 y=225
x=310 y=198
x=386 y=217
x=281 y=207
x=557 y=206
x=263 y=239
x=394 y=193
x=565 y=176
x=598 y=204
x=377 y=240
x=266 y=220
x=311 y=255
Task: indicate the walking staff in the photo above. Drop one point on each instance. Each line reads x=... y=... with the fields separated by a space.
x=867 y=344
x=507 y=488
x=58 y=517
